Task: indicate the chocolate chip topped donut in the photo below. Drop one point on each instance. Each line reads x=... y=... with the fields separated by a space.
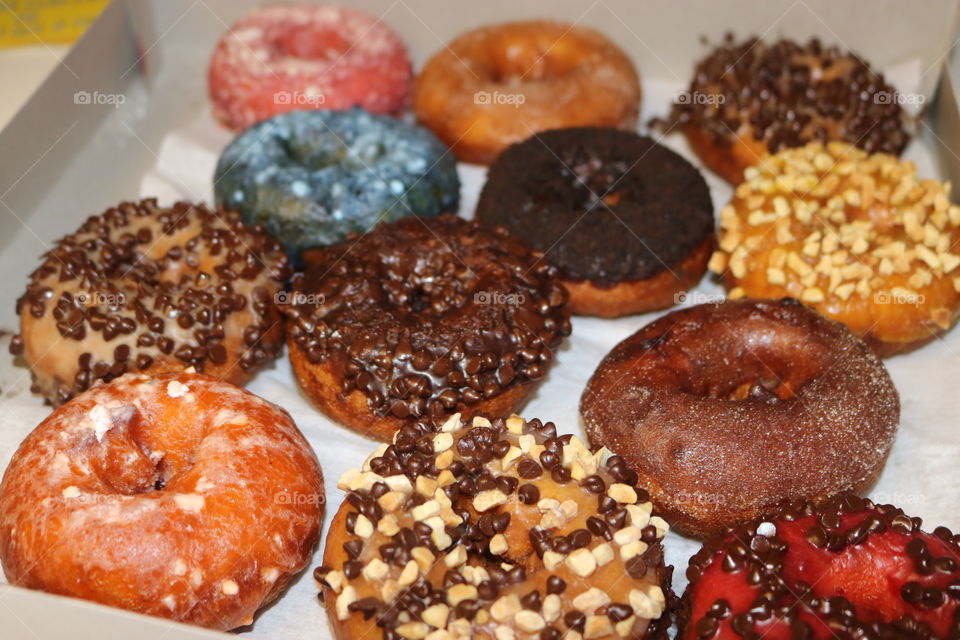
x=750 y=99
x=147 y=287
x=627 y=223
x=423 y=317
x=725 y=410
x=500 y=530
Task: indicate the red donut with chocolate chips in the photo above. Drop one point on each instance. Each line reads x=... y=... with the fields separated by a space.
x=845 y=569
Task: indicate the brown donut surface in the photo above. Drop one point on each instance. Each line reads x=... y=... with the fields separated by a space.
x=143 y=287
x=424 y=317
x=500 y=530
x=725 y=410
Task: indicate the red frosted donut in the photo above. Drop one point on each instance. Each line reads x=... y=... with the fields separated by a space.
x=288 y=57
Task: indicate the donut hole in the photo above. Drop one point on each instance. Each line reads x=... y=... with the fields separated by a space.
x=306 y=154
x=307 y=42
x=593 y=182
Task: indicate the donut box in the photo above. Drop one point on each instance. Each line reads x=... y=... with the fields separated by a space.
x=127 y=116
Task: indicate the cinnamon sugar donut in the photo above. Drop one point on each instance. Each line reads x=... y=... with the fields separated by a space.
x=142 y=287
x=178 y=496
x=725 y=410
x=494 y=530
x=423 y=317
x=751 y=99
x=855 y=235
x=497 y=85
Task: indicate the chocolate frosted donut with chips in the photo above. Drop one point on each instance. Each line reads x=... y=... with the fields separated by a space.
x=143 y=287
x=423 y=317
x=627 y=223
x=754 y=98
x=725 y=410
x=503 y=530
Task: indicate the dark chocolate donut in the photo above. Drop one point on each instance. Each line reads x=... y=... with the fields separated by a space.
x=725 y=410
x=844 y=569
x=753 y=98
x=424 y=317
x=609 y=208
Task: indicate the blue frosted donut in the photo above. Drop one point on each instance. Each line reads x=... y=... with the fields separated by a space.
x=310 y=177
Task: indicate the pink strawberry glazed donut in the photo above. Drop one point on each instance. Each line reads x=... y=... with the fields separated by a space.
x=288 y=57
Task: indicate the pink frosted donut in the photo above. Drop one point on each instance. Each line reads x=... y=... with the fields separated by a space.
x=287 y=57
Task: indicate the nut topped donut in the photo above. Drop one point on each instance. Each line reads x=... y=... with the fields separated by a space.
x=725 y=410
x=627 y=222
x=751 y=99
x=178 y=496
x=845 y=569
x=423 y=317
x=497 y=85
x=143 y=287
x=499 y=530
x=855 y=235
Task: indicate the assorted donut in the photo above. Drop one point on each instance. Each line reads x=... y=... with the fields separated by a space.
x=756 y=423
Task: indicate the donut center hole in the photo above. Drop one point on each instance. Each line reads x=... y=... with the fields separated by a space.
x=308 y=43
x=593 y=182
x=428 y=292
x=307 y=153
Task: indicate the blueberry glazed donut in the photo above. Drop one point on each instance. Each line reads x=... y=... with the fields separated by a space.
x=423 y=317
x=500 y=530
x=143 y=287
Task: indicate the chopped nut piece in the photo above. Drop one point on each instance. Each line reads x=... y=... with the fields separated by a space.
x=582 y=562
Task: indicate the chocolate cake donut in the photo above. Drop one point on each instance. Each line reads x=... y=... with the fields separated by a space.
x=627 y=223
x=423 y=317
x=754 y=98
x=725 y=410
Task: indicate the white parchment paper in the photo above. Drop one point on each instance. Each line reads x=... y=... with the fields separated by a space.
x=922 y=475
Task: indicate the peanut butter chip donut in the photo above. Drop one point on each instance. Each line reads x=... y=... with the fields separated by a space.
x=142 y=287
x=855 y=235
x=751 y=99
x=725 y=410
x=178 y=496
x=497 y=85
x=496 y=530
x=424 y=317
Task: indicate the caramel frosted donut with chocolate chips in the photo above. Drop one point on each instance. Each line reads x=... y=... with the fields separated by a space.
x=423 y=317
x=179 y=496
x=844 y=569
x=725 y=410
x=752 y=99
x=142 y=287
x=855 y=235
x=500 y=530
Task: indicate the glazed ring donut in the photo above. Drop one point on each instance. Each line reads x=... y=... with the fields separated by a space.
x=423 y=317
x=752 y=99
x=178 y=496
x=856 y=236
x=725 y=410
x=627 y=222
x=496 y=530
x=312 y=177
x=142 y=287
x=497 y=85
x=845 y=569
x=288 y=57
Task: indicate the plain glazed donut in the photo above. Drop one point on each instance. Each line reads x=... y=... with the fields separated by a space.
x=423 y=317
x=857 y=236
x=627 y=222
x=725 y=410
x=142 y=287
x=752 y=99
x=497 y=85
x=496 y=530
x=178 y=496
x=844 y=569
x=294 y=56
